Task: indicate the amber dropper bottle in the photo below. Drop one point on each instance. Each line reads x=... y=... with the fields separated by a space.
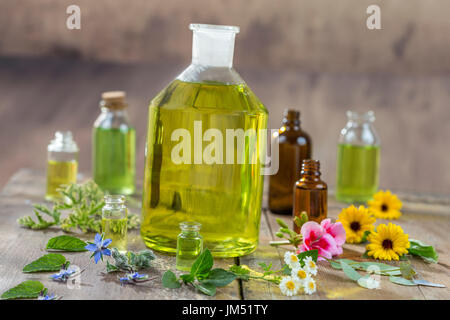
x=310 y=193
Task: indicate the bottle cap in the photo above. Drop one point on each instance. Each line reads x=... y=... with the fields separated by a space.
x=113 y=100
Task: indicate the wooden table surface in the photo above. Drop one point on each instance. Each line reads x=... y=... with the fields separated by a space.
x=425 y=217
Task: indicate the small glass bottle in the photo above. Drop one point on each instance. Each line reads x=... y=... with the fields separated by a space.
x=189 y=245
x=114 y=221
x=62 y=163
x=358 y=159
x=114 y=146
x=310 y=193
x=294 y=147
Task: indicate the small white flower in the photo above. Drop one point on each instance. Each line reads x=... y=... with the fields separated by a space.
x=300 y=273
x=289 y=286
x=309 y=285
x=291 y=260
x=370 y=282
x=310 y=266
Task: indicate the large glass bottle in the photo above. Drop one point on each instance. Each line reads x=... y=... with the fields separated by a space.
x=203 y=152
x=294 y=147
x=113 y=146
x=358 y=159
x=62 y=163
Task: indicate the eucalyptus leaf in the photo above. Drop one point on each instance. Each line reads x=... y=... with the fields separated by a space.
x=336 y=264
x=169 y=280
x=402 y=281
x=26 y=289
x=66 y=243
x=48 y=262
x=349 y=271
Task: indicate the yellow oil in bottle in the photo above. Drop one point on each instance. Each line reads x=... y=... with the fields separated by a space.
x=59 y=173
x=224 y=198
x=116 y=230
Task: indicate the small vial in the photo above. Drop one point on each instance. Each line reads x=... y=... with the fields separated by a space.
x=62 y=164
x=114 y=221
x=310 y=193
x=189 y=245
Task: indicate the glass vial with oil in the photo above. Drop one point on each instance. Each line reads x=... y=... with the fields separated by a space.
x=189 y=245
x=358 y=159
x=294 y=147
x=310 y=193
x=114 y=146
x=114 y=221
x=62 y=164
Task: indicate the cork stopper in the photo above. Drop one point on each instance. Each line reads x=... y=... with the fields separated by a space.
x=113 y=100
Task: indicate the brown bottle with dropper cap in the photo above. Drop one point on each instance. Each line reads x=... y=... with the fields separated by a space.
x=310 y=193
x=294 y=147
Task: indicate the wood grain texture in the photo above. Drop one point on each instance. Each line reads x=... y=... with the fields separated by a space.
x=19 y=246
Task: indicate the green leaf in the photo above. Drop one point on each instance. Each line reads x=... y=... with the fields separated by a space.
x=240 y=272
x=384 y=269
x=219 y=277
x=420 y=249
x=66 y=243
x=406 y=270
x=402 y=281
x=336 y=264
x=349 y=271
x=314 y=254
x=202 y=264
x=365 y=235
x=48 y=262
x=111 y=268
x=27 y=289
x=187 y=278
x=205 y=287
x=169 y=280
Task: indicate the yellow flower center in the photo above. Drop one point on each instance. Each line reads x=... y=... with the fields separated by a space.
x=294 y=258
x=311 y=285
x=312 y=264
x=301 y=274
x=290 y=285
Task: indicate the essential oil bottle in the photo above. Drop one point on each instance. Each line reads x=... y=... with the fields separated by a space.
x=114 y=146
x=189 y=245
x=62 y=163
x=310 y=193
x=294 y=147
x=358 y=159
x=114 y=221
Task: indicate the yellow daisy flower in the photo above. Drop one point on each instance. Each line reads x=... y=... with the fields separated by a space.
x=388 y=242
x=385 y=205
x=356 y=222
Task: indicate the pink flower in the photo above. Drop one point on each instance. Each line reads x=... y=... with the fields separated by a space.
x=326 y=237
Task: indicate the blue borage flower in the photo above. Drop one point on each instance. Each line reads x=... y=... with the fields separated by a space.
x=47 y=297
x=63 y=275
x=133 y=278
x=98 y=248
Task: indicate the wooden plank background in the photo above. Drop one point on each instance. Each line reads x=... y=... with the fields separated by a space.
x=429 y=222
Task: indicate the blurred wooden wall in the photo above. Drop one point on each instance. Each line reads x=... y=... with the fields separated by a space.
x=317 y=56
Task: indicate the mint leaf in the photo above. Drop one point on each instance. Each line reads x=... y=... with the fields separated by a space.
x=240 y=272
x=27 y=289
x=402 y=281
x=169 y=280
x=420 y=249
x=349 y=271
x=202 y=264
x=207 y=288
x=219 y=277
x=187 y=277
x=66 y=243
x=48 y=262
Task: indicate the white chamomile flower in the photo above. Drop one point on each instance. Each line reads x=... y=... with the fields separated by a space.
x=310 y=266
x=291 y=260
x=289 y=286
x=370 y=282
x=300 y=274
x=309 y=285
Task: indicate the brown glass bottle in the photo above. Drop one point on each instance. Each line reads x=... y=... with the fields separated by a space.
x=295 y=146
x=310 y=193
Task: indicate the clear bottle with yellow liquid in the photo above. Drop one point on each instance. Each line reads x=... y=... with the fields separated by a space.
x=114 y=221
x=62 y=163
x=204 y=152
